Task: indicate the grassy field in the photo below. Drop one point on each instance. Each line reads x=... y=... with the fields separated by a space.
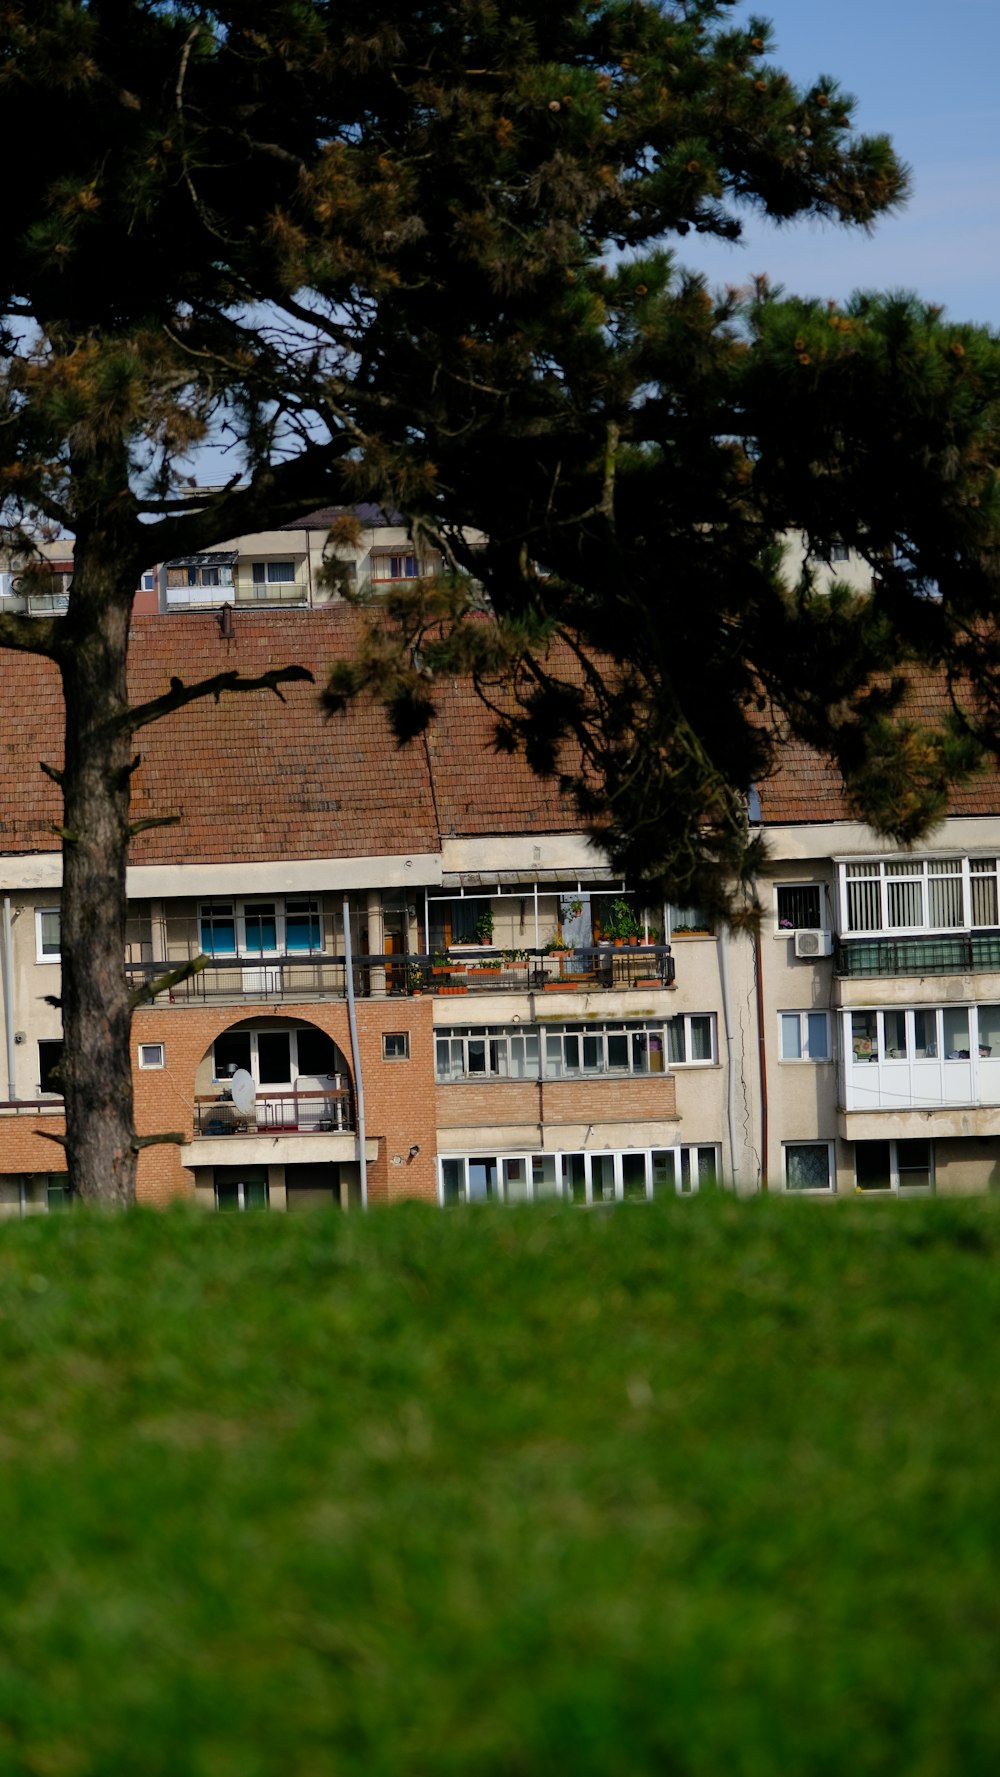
x=696 y=1489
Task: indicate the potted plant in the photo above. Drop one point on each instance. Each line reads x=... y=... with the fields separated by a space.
x=484 y=926
x=621 y=925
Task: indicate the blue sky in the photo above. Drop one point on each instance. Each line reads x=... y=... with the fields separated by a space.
x=929 y=76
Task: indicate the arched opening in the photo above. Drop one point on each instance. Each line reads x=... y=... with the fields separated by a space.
x=301 y=1080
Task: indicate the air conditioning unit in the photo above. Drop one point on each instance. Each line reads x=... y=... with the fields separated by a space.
x=814 y=943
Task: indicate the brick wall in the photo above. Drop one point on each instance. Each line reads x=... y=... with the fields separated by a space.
x=399 y=1095
x=467 y=1103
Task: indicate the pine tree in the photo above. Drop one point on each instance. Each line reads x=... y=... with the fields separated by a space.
x=363 y=245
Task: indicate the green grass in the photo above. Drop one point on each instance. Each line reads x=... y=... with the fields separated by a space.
x=696 y=1489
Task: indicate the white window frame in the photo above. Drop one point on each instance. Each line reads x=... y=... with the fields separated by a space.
x=266 y=577
x=797 y=888
x=495 y=1039
x=638 y=1037
x=683 y=1021
x=42 y=955
x=881 y=872
x=894 y=1187
x=805 y=1054
x=690 y=1162
x=240 y=904
x=826 y=1190
x=144 y=1051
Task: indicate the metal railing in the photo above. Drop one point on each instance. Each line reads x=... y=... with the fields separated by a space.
x=271 y=979
x=961 y=953
x=289 y=1112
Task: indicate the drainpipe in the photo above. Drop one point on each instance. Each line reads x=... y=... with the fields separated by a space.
x=761 y=1057
x=8 y=998
x=723 y=947
x=352 y=1020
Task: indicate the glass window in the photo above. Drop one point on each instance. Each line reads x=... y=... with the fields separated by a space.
x=274 y=1057
x=241 y=1187
x=634 y=1177
x=791 y=1036
x=396 y=1045
x=602 y=1178
x=515 y=1180
x=864 y=897
x=48 y=927
x=545 y=1176
x=944 y=892
x=574 y=1172
x=913 y=1165
x=452 y=1181
x=983 y=891
x=218 y=929
x=925 y=1035
x=260 y=921
x=691 y=1038
x=302 y=926
x=864 y=1036
x=872 y=1166
x=807 y=1166
x=818 y=1036
x=955 y=1032
x=482 y=1185
x=805 y=1036
x=50 y=1056
x=151 y=1055
x=230 y=1051
x=989 y=1030
x=895 y=1035
x=799 y=906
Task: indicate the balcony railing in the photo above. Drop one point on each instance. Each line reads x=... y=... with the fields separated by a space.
x=485 y=970
x=960 y=953
x=288 y=1111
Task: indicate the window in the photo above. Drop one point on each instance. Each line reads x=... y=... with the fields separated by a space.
x=899 y=1166
x=302 y=926
x=805 y=1036
x=920 y=894
x=799 y=906
x=839 y=552
x=218 y=929
x=48 y=927
x=271 y=573
x=151 y=1055
x=691 y=1039
x=809 y=1166
x=241 y=1187
x=518 y=1052
x=396 y=1045
x=688 y=919
x=404 y=566
x=585 y=1178
x=50 y=1066
x=500 y=1052
x=603 y=1049
x=292 y=927
x=276 y=1056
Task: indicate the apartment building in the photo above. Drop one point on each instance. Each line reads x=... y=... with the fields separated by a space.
x=436 y=987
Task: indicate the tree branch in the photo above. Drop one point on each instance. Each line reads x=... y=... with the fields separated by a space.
x=180 y=694
x=30 y=635
x=144 y=995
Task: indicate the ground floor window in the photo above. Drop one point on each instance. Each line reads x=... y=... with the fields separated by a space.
x=241 y=1187
x=809 y=1166
x=633 y=1175
x=900 y=1166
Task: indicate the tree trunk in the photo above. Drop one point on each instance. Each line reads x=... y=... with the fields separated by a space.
x=96 y=1064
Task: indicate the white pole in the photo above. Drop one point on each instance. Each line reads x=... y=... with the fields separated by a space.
x=352 y=1020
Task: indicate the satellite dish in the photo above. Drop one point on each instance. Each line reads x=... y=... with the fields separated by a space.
x=243 y=1090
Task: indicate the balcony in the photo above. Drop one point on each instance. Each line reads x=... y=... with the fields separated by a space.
x=960 y=953
x=287 y=1111
x=270 y=980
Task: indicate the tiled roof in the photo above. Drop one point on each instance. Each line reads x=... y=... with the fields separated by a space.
x=255 y=778
x=806 y=787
